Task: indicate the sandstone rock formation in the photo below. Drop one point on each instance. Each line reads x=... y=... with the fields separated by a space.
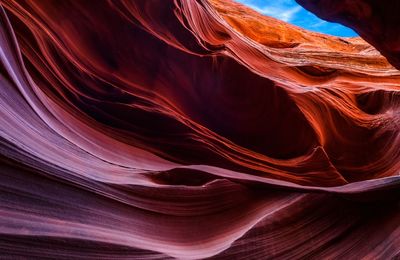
x=192 y=129
x=376 y=21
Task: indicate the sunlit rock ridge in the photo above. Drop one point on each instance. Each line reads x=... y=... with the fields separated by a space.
x=195 y=129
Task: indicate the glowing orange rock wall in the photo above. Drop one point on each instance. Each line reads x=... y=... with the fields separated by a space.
x=376 y=21
x=192 y=129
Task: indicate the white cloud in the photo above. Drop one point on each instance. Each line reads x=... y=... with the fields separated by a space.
x=318 y=24
x=280 y=9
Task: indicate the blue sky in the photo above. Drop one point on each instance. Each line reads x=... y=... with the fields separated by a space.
x=291 y=12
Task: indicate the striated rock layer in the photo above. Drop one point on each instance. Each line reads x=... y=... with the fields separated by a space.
x=376 y=21
x=192 y=129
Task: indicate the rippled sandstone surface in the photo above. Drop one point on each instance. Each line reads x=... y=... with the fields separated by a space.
x=192 y=129
x=376 y=21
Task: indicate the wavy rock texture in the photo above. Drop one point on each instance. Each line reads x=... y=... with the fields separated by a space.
x=192 y=129
x=376 y=21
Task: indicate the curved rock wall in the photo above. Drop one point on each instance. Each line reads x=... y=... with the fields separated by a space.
x=192 y=129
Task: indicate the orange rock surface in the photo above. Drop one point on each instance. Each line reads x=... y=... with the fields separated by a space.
x=299 y=43
x=193 y=129
x=374 y=20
